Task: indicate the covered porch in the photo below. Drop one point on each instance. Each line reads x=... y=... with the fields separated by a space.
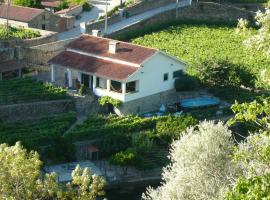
x=100 y=86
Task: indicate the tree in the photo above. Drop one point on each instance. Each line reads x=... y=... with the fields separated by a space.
x=21 y=178
x=223 y=73
x=201 y=166
x=253 y=155
x=253 y=158
x=256 y=115
x=124 y=159
x=261 y=40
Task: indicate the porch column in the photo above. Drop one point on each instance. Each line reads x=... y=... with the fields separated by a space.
x=20 y=73
x=52 y=73
x=69 y=78
x=123 y=88
x=94 y=82
x=79 y=77
x=108 y=85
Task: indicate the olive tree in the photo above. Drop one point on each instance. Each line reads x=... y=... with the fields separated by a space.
x=21 y=178
x=201 y=166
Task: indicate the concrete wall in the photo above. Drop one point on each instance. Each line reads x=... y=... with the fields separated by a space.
x=202 y=11
x=26 y=111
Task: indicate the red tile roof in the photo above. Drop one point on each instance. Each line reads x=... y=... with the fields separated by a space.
x=97 y=66
x=9 y=65
x=52 y=4
x=99 y=46
x=18 y=13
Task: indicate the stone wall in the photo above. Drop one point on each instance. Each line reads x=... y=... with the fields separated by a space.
x=146 y=5
x=27 y=111
x=138 y=8
x=153 y=102
x=39 y=55
x=202 y=11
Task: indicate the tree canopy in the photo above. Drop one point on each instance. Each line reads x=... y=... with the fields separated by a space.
x=21 y=178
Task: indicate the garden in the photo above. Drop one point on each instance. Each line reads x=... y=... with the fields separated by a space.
x=216 y=55
x=132 y=140
x=28 y=90
x=36 y=133
x=7 y=33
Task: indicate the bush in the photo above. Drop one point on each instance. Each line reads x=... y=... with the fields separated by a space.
x=224 y=73
x=17 y=33
x=82 y=90
x=185 y=83
x=109 y=100
x=87 y=6
x=124 y=159
x=172 y=127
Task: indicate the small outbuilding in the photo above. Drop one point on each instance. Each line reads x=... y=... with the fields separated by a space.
x=10 y=69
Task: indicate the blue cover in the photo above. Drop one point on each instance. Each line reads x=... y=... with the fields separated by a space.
x=199 y=102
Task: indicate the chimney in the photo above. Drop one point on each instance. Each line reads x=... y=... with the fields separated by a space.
x=96 y=33
x=113 y=46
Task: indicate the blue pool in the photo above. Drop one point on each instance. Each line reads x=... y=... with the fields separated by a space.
x=199 y=102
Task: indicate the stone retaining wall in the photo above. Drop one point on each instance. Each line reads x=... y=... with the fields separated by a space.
x=138 y=8
x=153 y=102
x=39 y=55
x=202 y=11
x=28 y=111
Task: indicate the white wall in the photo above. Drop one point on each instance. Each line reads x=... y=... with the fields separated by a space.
x=151 y=76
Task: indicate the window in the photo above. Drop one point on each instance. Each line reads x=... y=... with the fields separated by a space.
x=165 y=77
x=43 y=27
x=116 y=86
x=131 y=87
x=97 y=82
x=43 y=17
x=177 y=73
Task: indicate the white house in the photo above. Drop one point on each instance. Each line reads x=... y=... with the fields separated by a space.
x=138 y=76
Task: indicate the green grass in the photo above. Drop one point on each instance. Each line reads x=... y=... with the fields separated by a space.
x=17 y=33
x=36 y=132
x=194 y=43
x=28 y=90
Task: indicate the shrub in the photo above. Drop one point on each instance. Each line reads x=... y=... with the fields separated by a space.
x=185 y=83
x=82 y=90
x=224 y=73
x=201 y=165
x=124 y=159
x=109 y=100
x=171 y=128
x=87 y=6
x=19 y=33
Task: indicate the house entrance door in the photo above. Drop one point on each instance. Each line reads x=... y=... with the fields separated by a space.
x=87 y=80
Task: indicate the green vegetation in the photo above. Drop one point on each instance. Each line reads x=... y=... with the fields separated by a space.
x=109 y=100
x=22 y=178
x=200 y=43
x=185 y=83
x=68 y=3
x=87 y=6
x=17 y=33
x=28 y=90
x=36 y=133
x=28 y=3
x=146 y=137
x=124 y=159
